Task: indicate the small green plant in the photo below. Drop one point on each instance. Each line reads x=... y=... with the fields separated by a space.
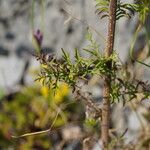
x=118 y=85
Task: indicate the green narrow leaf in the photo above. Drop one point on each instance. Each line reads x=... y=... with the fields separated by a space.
x=65 y=55
x=77 y=55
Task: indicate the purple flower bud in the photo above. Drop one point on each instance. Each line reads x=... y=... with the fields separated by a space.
x=38 y=35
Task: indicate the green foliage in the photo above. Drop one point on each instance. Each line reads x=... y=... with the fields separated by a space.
x=142 y=7
x=70 y=72
x=91 y=122
x=127 y=90
x=123 y=9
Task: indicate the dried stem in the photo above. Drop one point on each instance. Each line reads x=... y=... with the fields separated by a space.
x=107 y=79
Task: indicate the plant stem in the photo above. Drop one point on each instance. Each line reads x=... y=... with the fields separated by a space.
x=107 y=79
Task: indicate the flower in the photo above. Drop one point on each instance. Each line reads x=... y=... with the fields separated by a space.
x=45 y=91
x=38 y=35
x=61 y=92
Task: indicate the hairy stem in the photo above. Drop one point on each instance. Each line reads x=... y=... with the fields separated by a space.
x=107 y=79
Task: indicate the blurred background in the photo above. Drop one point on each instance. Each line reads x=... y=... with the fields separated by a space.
x=27 y=106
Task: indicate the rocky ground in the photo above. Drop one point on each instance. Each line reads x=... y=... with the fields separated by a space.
x=64 y=24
